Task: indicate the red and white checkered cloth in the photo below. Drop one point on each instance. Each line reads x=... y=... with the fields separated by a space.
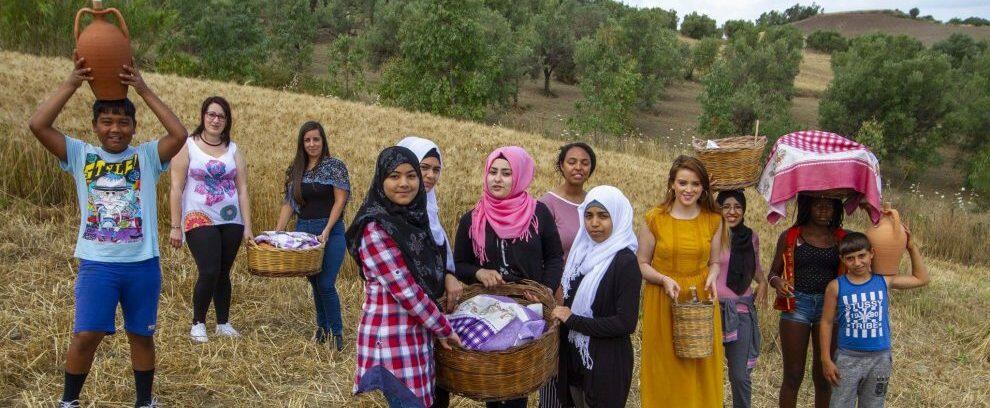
x=817 y=141
x=813 y=160
x=399 y=320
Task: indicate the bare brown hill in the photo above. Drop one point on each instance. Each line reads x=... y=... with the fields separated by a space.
x=854 y=23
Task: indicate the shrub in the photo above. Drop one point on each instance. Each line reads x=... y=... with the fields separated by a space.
x=732 y=26
x=554 y=46
x=914 y=12
x=229 y=44
x=959 y=47
x=826 y=41
x=345 y=68
x=380 y=39
x=979 y=174
x=703 y=55
x=656 y=50
x=699 y=26
x=897 y=83
x=609 y=81
x=45 y=27
x=968 y=124
x=794 y=13
x=445 y=64
x=752 y=80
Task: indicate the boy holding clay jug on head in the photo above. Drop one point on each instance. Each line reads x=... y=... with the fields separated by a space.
x=117 y=242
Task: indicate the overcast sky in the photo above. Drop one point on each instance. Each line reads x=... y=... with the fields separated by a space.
x=722 y=10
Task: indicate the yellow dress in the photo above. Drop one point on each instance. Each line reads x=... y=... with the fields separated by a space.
x=681 y=252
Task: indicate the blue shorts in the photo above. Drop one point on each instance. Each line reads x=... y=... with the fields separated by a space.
x=100 y=286
x=807 y=309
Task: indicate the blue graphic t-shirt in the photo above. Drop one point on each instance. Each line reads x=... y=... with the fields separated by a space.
x=864 y=314
x=117 y=200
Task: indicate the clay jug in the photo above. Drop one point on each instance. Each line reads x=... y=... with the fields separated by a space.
x=106 y=48
x=889 y=241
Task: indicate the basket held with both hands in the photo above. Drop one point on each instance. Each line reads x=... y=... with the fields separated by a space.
x=274 y=262
x=507 y=374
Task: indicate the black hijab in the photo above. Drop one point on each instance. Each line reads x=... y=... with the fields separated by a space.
x=742 y=255
x=408 y=226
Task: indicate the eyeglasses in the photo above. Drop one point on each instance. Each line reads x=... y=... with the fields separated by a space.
x=215 y=116
x=737 y=208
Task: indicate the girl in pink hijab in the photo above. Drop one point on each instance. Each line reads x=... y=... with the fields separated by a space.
x=508 y=236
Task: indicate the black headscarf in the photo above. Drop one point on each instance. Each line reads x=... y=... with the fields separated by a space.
x=742 y=255
x=408 y=226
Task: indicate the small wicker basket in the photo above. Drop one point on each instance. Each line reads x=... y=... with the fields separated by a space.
x=508 y=374
x=694 y=329
x=273 y=262
x=736 y=162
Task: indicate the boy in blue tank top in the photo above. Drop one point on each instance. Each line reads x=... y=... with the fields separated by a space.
x=117 y=242
x=863 y=364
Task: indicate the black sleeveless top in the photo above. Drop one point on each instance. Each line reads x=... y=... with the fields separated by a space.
x=814 y=267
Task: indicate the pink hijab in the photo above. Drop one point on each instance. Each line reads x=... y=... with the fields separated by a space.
x=510 y=217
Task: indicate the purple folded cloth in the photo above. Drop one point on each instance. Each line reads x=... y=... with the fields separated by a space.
x=495 y=323
x=287 y=239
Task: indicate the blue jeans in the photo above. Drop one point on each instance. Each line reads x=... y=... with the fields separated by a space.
x=324 y=284
x=393 y=389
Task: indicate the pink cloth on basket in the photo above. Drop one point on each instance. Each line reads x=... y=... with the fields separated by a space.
x=813 y=160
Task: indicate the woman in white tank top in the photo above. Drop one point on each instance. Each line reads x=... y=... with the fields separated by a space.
x=210 y=209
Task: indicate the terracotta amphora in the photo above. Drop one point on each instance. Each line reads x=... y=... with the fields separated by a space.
x=106 y=48
x=889 y=241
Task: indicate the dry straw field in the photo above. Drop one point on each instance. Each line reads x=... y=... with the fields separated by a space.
x=941 y=335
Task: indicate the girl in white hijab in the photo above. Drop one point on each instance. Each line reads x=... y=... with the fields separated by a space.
x=601 y=285
x=431 y=163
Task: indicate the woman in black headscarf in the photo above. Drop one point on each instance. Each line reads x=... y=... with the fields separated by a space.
x=740 y=266
x=404 y=278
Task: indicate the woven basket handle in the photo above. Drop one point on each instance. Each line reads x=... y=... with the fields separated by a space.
x=756 y=134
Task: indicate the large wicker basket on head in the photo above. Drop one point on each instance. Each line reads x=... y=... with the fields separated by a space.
x=508 y=374
x=273 y=262
x=694 y=329
x=736 y=162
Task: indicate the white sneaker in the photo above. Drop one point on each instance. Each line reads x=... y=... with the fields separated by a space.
x=227 y=330
x=68 y=404
x=198 y=333
x=154 y=402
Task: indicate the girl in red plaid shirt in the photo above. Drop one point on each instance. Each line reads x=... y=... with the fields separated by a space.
x=404 y=277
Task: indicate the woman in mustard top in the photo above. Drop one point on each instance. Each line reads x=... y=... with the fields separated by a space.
x=678 y=249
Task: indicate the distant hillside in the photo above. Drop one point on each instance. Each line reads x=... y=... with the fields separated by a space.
x=855 y=23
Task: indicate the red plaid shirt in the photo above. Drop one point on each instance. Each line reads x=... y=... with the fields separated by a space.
x=399 y=321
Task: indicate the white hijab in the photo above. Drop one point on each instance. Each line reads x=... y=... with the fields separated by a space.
x=592 y=259
x=421 y=147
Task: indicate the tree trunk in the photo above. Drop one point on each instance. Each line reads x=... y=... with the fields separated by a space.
x=546 y=80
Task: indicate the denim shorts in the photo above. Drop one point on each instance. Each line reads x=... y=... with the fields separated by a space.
x=807 y=309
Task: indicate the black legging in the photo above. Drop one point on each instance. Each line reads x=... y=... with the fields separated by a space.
x=214 y=248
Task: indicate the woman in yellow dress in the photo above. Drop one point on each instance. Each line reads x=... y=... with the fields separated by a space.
x=678 y=248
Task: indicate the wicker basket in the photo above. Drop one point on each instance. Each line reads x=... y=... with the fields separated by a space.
x=282 y=263
x=694 y=329
x=735 y=163
x=508 y=374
